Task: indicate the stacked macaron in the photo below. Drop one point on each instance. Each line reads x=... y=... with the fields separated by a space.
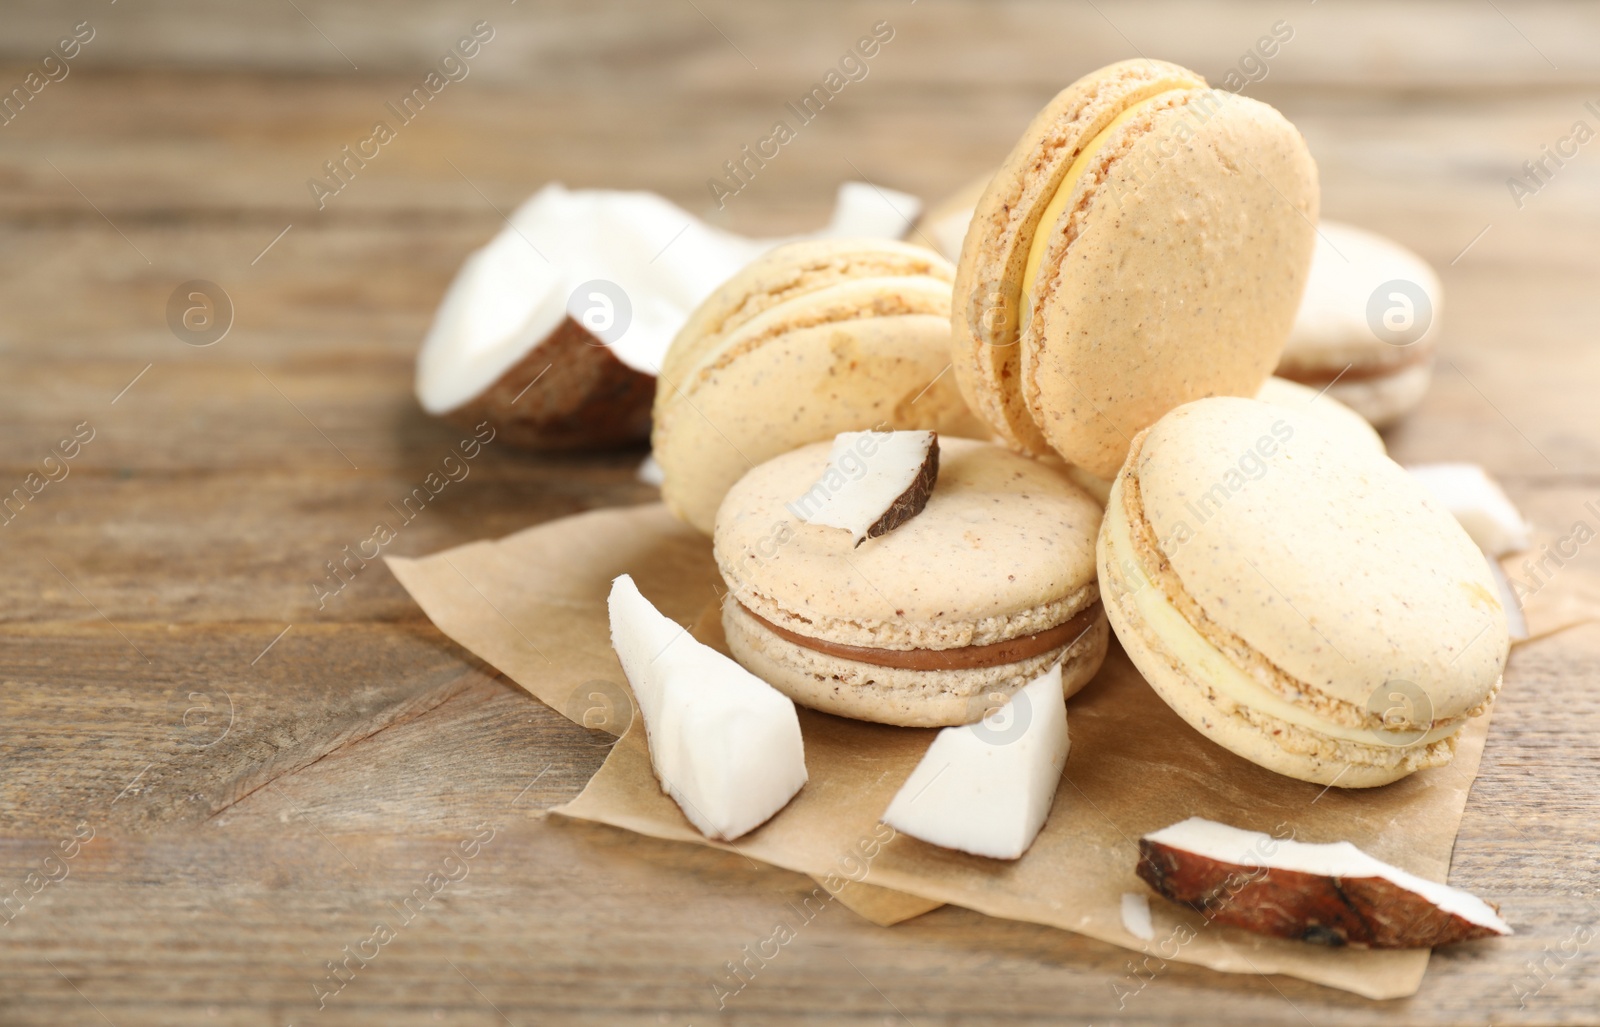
x=933 y=623
x=1145 y=244
x=810 y=340
x=1128 y=279
x=1367 y=329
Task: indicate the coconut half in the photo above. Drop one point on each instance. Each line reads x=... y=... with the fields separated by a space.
x=1333 y=894
x=553 y=332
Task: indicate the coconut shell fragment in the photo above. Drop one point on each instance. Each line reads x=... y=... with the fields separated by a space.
x=1331 y=894
x=912 y=501
x=569 y=392
x=875 y=481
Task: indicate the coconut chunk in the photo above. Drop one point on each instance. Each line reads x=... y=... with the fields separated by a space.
x=875 y=481
x=1136 y=916
x=1478 y=502
x=555 y=330
x=1333 y=894
x=986 y=788
x=724 y=744
x=1516 y=618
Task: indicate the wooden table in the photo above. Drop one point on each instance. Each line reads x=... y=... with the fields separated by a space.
x=264 y=779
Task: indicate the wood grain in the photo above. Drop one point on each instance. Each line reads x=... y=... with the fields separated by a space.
x=141 y=592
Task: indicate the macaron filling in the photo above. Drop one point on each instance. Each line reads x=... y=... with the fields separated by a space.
x=1349 y=373
x=1069 y=182
x=969 y=657
x=1199 y=660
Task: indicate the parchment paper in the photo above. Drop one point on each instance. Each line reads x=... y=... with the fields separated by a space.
x=533 y=605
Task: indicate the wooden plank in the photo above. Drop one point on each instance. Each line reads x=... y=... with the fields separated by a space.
x=363 y=748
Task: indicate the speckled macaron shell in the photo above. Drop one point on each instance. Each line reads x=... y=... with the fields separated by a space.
x=1263 y=740
x=1004 y=548
x=1385 y=398
x=1334 y=414
x=986 y=315
x=1335 y=564
x=786 y=273
x=1173 y=273
x=1333 y=340
x=855 y=354
x=1332 y=329
x=1319 y=568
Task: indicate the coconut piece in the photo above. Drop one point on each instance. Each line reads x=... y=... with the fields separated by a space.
x=554 y=331
x=1136 y=916
x=1332 y=894
x=1478 y=502
x=724 y=744
x=649 y=472
x=875 y=481
x=986 y=788
x=1516 y=619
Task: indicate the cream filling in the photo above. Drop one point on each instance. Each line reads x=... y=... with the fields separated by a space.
x=1205 y=663
x=1063 y=193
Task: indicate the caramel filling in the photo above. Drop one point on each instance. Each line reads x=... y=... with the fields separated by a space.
x=1326 y=375
x=967 y=657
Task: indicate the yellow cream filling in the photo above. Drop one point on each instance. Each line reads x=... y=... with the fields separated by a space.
x=1063 y=193
x=1203 y=662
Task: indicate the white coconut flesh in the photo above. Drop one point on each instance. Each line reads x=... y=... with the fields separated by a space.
x=867 y=472
x=513 y=293
x=1225 y=844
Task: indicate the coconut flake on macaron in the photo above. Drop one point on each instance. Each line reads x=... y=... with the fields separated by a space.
x=874 y=482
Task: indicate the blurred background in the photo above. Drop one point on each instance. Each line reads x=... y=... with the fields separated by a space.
x=149 y=143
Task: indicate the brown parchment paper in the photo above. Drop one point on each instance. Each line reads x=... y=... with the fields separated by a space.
x=533 y=605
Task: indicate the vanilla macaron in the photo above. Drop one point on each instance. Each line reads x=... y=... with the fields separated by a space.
x=1298 y=599
x=1334 y=414
x=812 y=339
x=931 y=624
x=1146 y=243
x=1368 y=328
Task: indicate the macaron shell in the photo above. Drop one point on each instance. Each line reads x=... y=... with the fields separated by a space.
x=1174 y=275
x=1329 y=561
x=1332 y=328
x=1326 y=764
x=1004 y=547
x=1334 y=414
x=786 y=273
x=887 y=695
x=804 y=386
x=985 y=318
x=1385 y=399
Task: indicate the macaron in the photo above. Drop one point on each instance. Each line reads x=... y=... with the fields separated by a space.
x=931 y=624
x=1146 y=243
x=812 y=339
x=1334 y=414
x=1299 y=600
x=1368 y=328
